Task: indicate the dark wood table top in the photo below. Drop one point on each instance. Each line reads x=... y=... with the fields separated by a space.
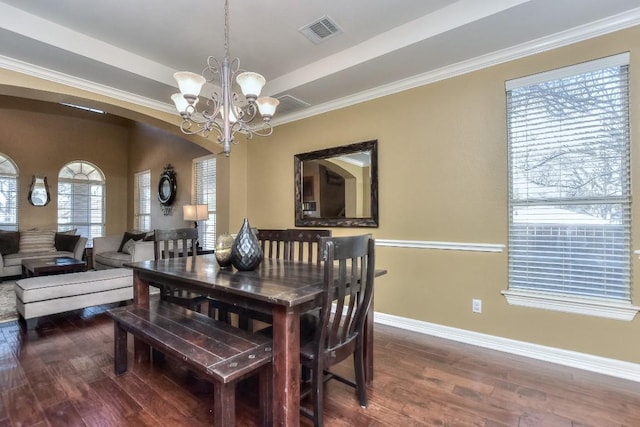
x=276 y=282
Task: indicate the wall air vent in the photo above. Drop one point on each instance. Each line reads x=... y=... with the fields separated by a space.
x=289 y=104
x=320 y=30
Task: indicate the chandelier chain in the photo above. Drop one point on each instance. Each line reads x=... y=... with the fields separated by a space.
x=226 y=28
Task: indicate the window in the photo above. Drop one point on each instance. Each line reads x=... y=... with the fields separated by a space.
x=204 y=177
x=569 y=187
x=81 y=199
x=8 y=194
x=142 y=201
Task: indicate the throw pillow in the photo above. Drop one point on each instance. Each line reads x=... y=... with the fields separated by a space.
x=9 y=242
x=32 y=241
x=127 y=248
x=66 y=242
x=128 y=236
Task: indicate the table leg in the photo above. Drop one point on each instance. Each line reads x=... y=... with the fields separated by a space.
x=141 y=351
x=286 y=366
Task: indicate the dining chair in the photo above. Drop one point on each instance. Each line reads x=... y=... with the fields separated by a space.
x=180 y=242
x=349 y=267
x=290 y=244
x=174 y=243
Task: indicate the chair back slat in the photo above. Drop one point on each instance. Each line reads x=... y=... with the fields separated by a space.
x=176 y=242
x=272 y=242
x=349 y=267
x=292 y=244
x=304 y=245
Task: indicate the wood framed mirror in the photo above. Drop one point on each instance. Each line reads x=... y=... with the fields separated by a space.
x=337 y=187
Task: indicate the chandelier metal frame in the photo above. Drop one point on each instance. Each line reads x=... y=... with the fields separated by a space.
x=225 y=111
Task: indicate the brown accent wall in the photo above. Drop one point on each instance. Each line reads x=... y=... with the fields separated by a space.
x=152 y=148
x=43 y=137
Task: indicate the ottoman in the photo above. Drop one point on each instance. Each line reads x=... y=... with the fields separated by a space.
x=44 y=295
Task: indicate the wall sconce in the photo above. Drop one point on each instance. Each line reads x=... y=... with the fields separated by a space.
x=195 y=213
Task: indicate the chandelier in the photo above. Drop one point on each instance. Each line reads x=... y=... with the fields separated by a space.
x=225 y=111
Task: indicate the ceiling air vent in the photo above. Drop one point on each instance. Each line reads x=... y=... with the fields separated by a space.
x=289 y=104
x=320 y=30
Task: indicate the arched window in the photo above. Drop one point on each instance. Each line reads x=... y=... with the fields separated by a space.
x=8 y=194
x=81 y=187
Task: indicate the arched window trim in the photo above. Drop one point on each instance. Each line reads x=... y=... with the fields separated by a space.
x=10 y=220
x=70 y=214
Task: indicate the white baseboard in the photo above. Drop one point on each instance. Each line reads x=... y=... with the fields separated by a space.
x=615 y=368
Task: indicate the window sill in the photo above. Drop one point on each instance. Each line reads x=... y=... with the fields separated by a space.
x=577 y=305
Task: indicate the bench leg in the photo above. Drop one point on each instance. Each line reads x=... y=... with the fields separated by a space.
x=31 y=323
x=120 y=348
x=265 y=395
x=224 y=404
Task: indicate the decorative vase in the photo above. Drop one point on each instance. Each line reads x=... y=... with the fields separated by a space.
x=224 y=243
x=246 y=253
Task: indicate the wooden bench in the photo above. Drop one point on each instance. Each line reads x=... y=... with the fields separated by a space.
x=221 y=353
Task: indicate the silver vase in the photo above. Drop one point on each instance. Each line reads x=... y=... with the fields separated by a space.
x=224 y=243
x=246 y=253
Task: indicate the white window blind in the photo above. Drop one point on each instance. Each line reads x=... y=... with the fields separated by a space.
x=142 y=201
x=8 y=194
x=569 y=187
x=81 y=199
x=204 y=176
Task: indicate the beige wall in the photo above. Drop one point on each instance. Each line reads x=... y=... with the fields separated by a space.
x=443 y=177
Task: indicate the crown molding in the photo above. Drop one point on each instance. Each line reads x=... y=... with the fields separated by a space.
x=78 y=83
x=584 y=32
x=564 y=38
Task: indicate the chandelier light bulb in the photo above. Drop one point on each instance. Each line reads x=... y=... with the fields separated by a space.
x=181 y=103
x=190 y=84
x=267 y=106
x=251 y=84
x=234 y=112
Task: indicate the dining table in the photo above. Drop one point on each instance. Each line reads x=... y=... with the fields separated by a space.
x=282 y=288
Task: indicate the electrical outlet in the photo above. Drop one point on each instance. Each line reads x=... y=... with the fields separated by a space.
x=476 y=305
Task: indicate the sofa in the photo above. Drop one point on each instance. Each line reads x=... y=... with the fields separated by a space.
x=16 y=246
x=116 y=250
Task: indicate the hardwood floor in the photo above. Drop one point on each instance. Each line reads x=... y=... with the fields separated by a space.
x=62 y=375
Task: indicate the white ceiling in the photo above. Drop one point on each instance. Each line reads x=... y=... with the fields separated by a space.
x=130 y=49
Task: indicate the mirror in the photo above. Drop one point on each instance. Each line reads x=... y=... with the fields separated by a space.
x=337 y=187
x=167 y=186
x=39 y=191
